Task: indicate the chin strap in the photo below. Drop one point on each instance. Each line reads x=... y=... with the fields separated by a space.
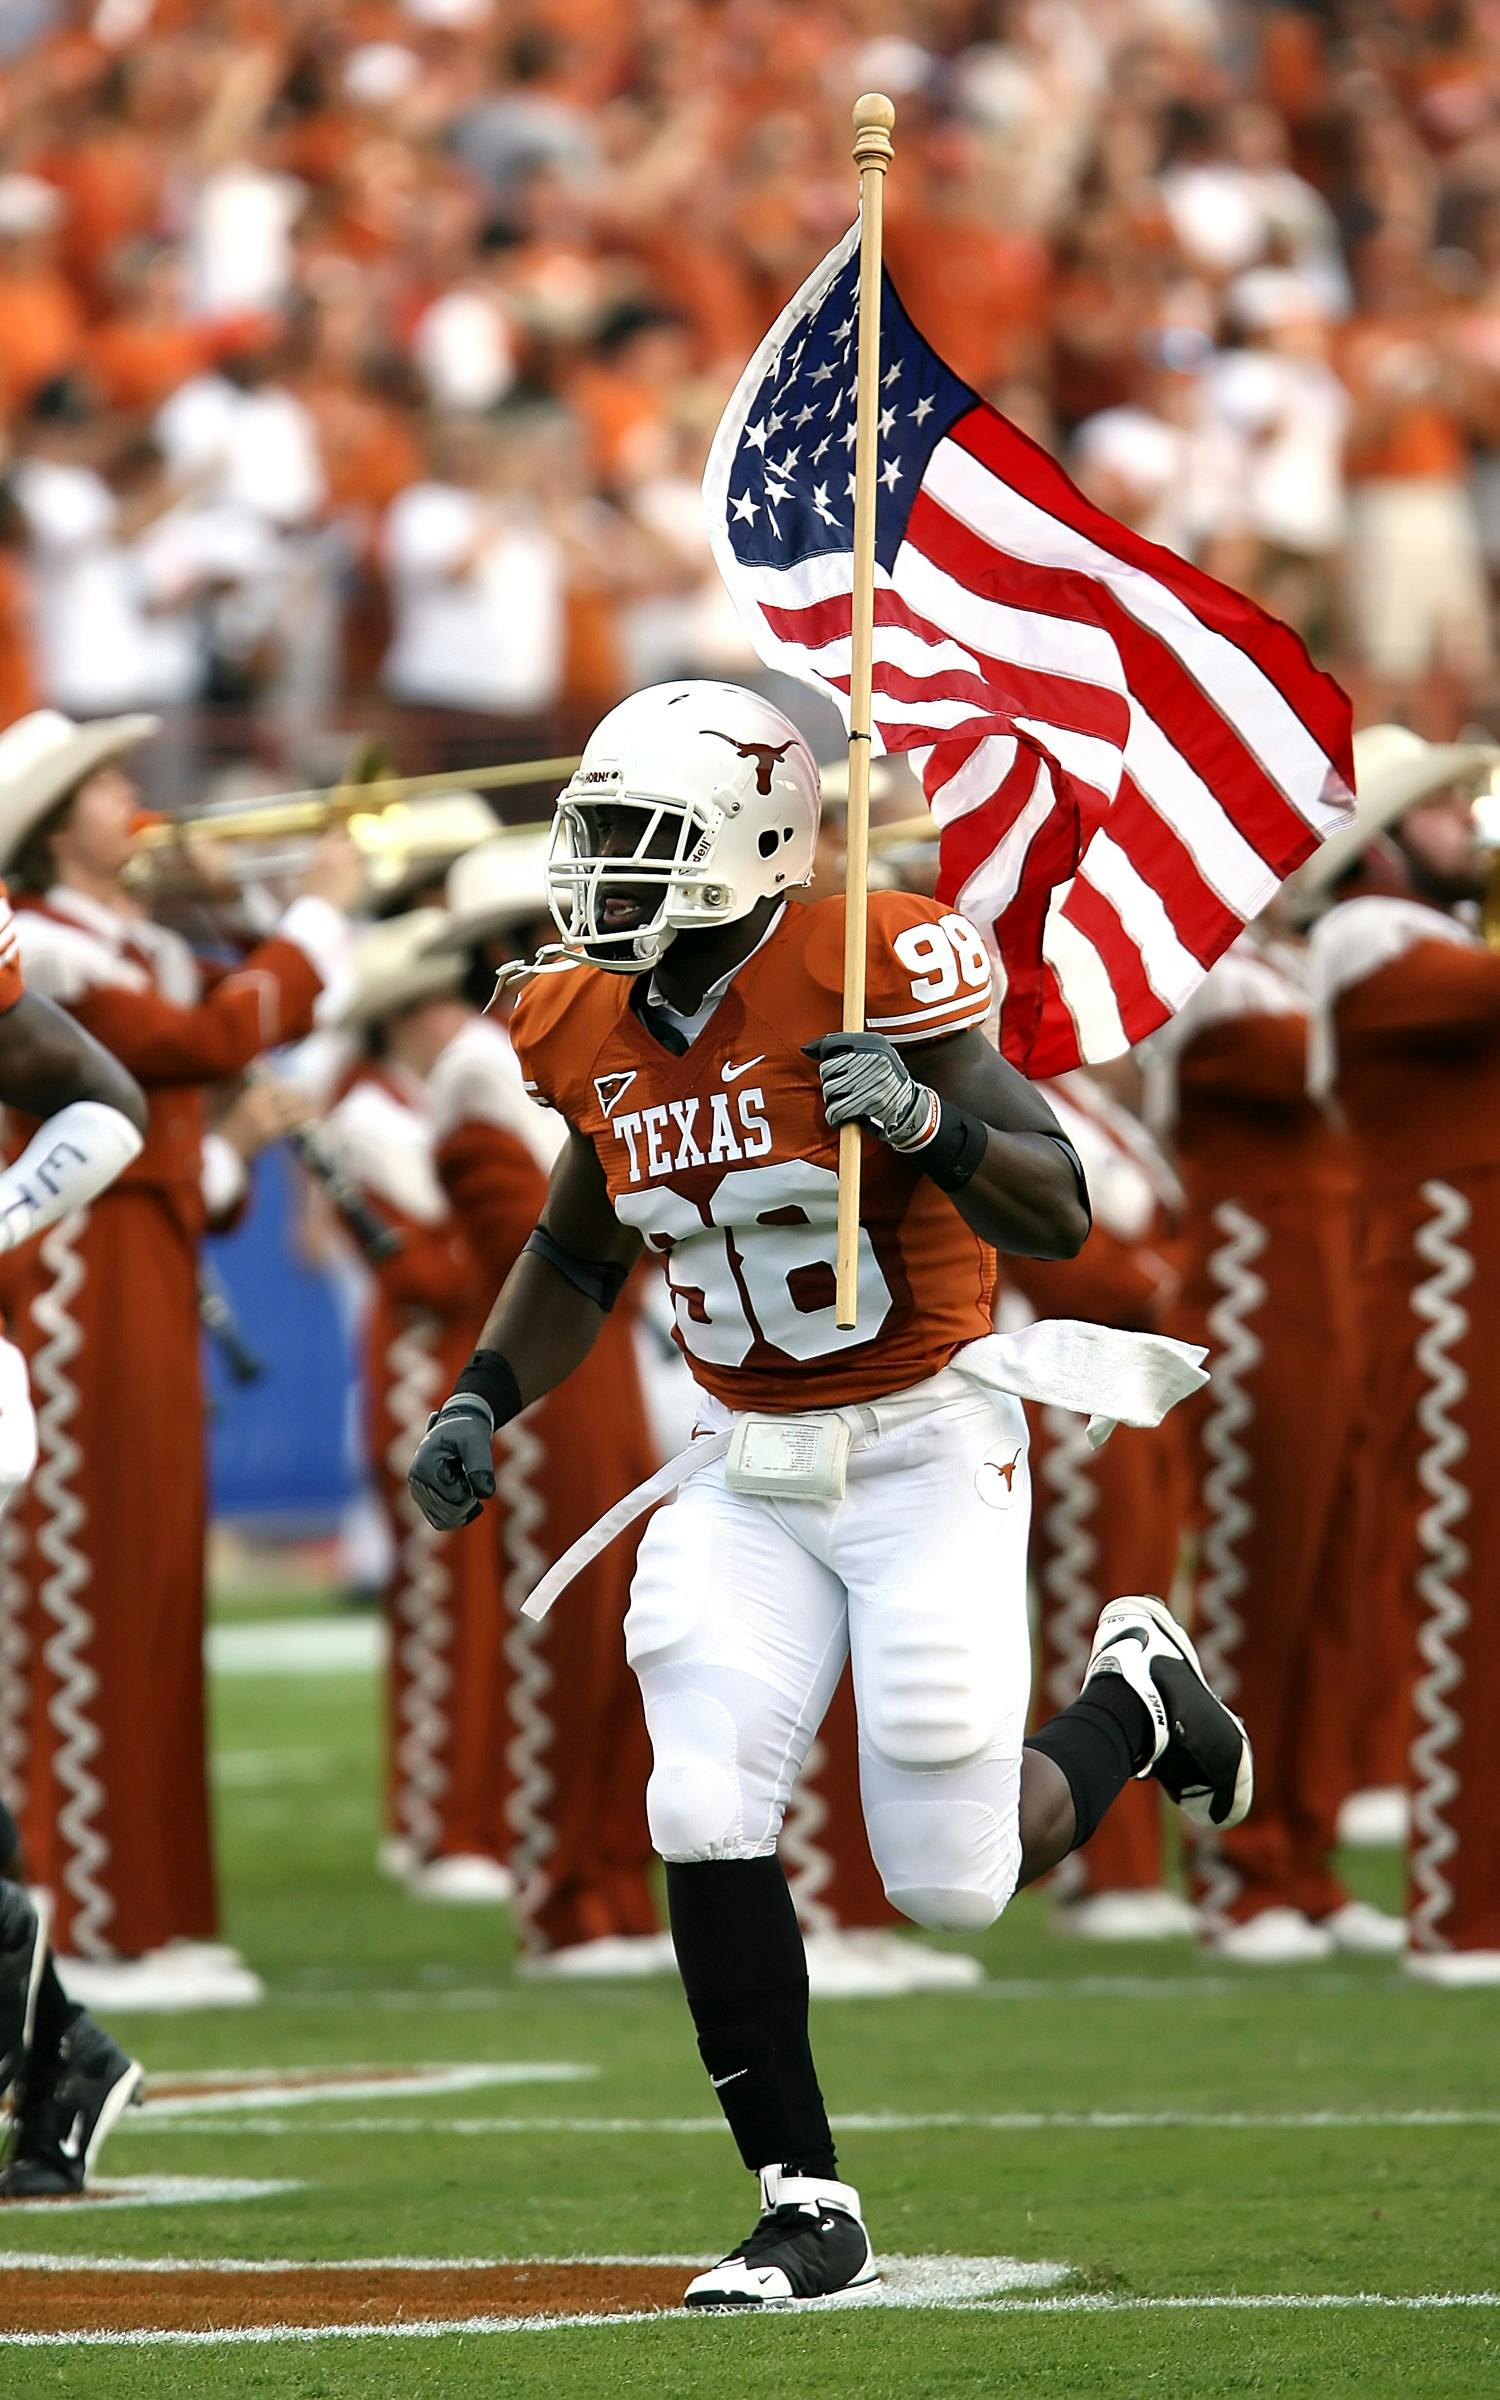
x=552 y=959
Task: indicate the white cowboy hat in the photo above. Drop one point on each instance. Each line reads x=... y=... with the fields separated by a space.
x=44 y=755
x=395 y=967
x=499 y=883
x=1394 y=769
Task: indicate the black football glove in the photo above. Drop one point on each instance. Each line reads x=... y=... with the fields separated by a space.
x=453 y=1473
x=867 y=1082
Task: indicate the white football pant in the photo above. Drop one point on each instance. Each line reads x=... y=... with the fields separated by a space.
x=744 y=1609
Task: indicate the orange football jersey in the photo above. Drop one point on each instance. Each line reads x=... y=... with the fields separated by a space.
x=12 y=982
x=724 y=1162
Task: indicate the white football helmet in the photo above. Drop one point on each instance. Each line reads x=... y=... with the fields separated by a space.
x=692 y=802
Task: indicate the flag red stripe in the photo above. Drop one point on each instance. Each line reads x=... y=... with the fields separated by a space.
x=1260 y=811
x=1204 y=923
x=1317 y=700
x=1013 y=690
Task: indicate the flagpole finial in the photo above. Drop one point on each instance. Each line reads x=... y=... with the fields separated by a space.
x=874 y=117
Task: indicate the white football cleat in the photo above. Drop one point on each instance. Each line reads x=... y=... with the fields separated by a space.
x=810 y=2244
x=1201 y=1755
x=1278 y=1937
x=1363 y=1931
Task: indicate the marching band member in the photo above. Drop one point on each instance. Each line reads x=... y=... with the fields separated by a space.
x=69 y=2079
x=1268 y=1284
x=445 y=1796
x=574 y=1740
x=109 y=1538
x=1107 y=1520
x=1408 y=1023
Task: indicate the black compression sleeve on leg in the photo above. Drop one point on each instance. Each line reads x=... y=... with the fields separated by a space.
x=10 y=1842
x=744 y=1970
x=55 y=2013
x=1098 y=1743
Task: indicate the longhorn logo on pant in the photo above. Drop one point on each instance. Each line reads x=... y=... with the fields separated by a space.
x=995 y=1479
x=765 y=755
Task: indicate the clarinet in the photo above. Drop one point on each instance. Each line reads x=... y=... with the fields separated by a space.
x=216 y=1316
x=375 y=1238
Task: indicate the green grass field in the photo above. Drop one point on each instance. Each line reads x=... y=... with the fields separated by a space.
x=1206 y=2158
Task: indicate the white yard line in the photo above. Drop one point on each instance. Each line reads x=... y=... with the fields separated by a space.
x=152 y=2191
x=298 y=1646
x=1253 y=1985
x=1061 y=2304
x=308 y=2087
x=1319 y=2120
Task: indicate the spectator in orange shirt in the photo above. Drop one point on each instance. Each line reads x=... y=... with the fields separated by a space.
x=113 y=173
x=145 y=348
x=627 y=392
x=20 y=691
x=976 y=288
x=41 y=322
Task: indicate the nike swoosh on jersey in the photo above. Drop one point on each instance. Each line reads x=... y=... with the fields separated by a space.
x=732 y=1073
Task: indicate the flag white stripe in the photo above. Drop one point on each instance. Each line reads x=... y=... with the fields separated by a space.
x=1171 y=969
x=1230 y=864
x=1079 y=653
x=1263 y=722
x=995 y=882
x=977 y=780
x=1086 y=985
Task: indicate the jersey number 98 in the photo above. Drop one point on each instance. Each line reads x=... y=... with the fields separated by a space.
x=742 y=1281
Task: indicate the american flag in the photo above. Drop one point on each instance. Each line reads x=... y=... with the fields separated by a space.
x=1125 y=758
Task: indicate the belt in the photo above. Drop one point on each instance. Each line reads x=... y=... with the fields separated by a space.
x=1112 y=1378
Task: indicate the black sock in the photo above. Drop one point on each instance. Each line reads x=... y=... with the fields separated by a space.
x=1099 y=1743
x=744 y=1970
x=55 y=2012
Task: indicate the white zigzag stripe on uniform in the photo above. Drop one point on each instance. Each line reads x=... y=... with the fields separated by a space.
x=15 y=1655
x=529 y=1677
x=1072 y=1596
x=1434 y=1783
x=808 y=1865
x=1228 y=1517
x=1069 y=1597
x=85 y=1849
x=423 y=1607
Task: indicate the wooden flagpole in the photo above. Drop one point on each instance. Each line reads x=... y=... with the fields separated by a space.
x=874 y=117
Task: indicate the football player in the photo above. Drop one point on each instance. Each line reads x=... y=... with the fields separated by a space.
x=866 y=1495
x=71 y=2078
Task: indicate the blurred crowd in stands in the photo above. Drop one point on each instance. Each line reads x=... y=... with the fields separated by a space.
x=358 y=358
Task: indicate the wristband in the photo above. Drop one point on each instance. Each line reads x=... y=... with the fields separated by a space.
x=491 y=1378
x=952 y=1157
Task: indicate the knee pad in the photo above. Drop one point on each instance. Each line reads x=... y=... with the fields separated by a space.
x=930 y=1704
x=948 y=1865
x=694 y=1801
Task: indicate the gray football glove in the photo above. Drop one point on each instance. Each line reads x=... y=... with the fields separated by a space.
x=453 y=1472
x=867 y=1082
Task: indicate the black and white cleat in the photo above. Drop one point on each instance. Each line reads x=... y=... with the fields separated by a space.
x=810 y=2244
x=1202 y=1757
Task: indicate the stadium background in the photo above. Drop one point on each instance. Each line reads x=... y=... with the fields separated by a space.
x=1239 y=266
x=269 y=274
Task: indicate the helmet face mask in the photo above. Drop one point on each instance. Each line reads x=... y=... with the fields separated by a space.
x=691 y=804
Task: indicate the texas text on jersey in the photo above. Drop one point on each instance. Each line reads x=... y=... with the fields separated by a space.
x=722 y=1158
